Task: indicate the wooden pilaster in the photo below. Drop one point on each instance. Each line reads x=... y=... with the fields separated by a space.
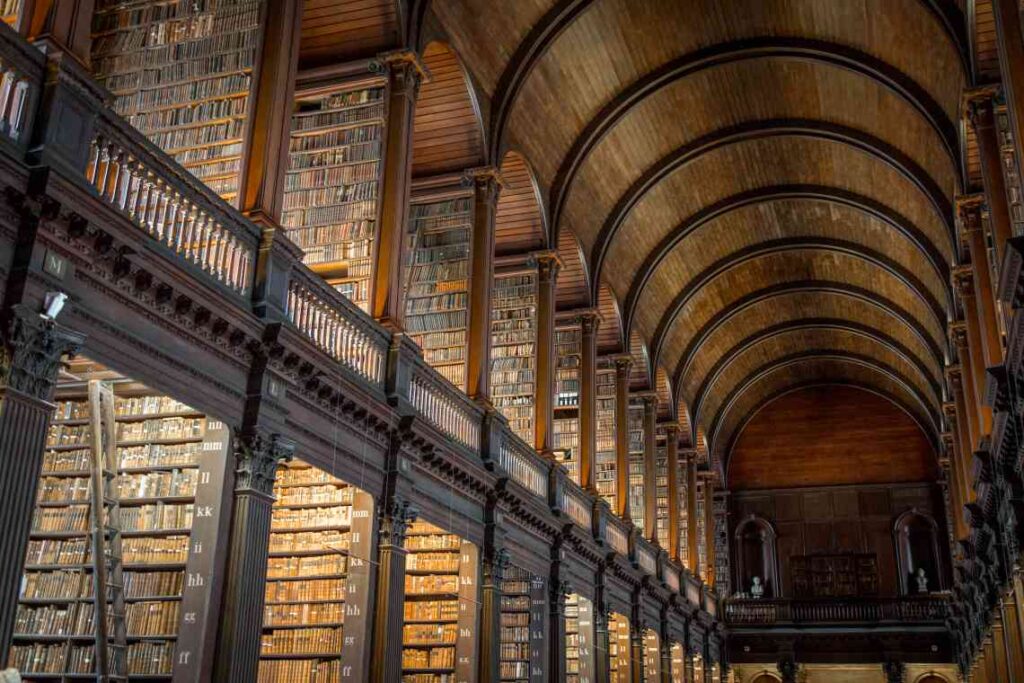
x=1013 y=635
x=64 y=25
x=672 y=458
x=980 y=112
x=557 y=590
x=709 y=530
x=692 y=561
x=548 y=266
x=973 y=232
x=30 y=358
x=951 y=445
x=405 y=72
x=623 y=364
x=265 y=153
x=1001 y=657
x=494 y=565
x=589 y=322
x=1010 y=43
x=650 y=401
x=968 y=343
x=238 y=647
x=963 y=417
x=486 y=187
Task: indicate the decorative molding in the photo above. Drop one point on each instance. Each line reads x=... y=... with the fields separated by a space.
x=31 y=353
x=395 y=517
x=256 y=459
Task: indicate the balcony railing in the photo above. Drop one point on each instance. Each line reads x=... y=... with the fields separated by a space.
x=617 y=535
x=150 y=189
x=21 y=77
x=444 y=406
x=770 y=612
x=337 y=326
x=575 y=503
x=522 y=464
x=645 y=557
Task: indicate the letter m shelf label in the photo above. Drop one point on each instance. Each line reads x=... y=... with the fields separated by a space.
x=204 y=568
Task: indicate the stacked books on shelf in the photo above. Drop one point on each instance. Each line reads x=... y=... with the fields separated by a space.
x=652 y=655
x=437 y=292
x=313 y=550
x=181 y=72
x=518 y=590
x=331 y=186
x=566 y=435
x=158 y=445
x=572 y=638
x=661 y=468
x=636 y=464
x=514 y=350
x=619 y=649
x=440 y=567
x=684 y=551
x=605 y=454
x=702 y=554
x=678 y=655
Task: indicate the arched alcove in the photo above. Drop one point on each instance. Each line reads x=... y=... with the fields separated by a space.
x=916 y=535
x=755 y=556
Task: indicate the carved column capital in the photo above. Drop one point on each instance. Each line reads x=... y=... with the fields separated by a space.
x=548 y=265
x=486 y=181
x=649 y=399
x=962 y=279
x=256 y=459
x=405 y=69
x=31 y=352
x=395 y=518
x=494 y=568
x=672 y=430
x=979 y=105
x=623 y=364
x=968 y=211
x=958 y=335
x=589 y=321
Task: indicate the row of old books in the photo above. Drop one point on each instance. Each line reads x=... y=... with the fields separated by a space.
x=604 y=459
x=514 y=350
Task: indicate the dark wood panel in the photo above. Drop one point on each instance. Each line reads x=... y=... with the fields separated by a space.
x=519 y=223
x=339 y=30
x=829 y=435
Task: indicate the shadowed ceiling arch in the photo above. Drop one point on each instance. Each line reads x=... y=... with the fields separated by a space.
x=448 y=132
x=814 y=367
x=609 y=334
x=764 y=47
x=788 y=128
x=925 y=379
x=520 y=224
x=572 y=289
x=933 y=257
x=783 y=247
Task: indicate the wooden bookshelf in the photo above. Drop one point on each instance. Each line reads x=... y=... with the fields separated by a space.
x=652 y=655
x=702 y=553
x=566 y=436
x=636 y=464
x=181 y=73
x=619 y=649
x=661 y=466
x=677 y=657
x=684 y=517
x=439 y=636
x=164 y=451
x=437 y=291
x=332 y=183
x=514 y=350
x=605 y=453
x=579 y=639
x=522 y=615
x=318 y=579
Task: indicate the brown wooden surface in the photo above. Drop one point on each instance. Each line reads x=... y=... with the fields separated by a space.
x=339 y=30
x=829 y=435
x=519 y=225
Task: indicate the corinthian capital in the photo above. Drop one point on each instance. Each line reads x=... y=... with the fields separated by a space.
x=256 y=459
x=31 y=352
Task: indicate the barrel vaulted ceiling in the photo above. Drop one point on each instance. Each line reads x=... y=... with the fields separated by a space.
x=765 y=188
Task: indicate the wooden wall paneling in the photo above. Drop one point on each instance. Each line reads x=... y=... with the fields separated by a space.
x=609 y=338
x=573 y=290
x=341 y=30
x=519 y=225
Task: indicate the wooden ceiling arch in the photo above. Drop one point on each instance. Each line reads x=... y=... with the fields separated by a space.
x=817 y=291
x=738 y=259
x=520 y=222
x=831 y=195
x=729 y=157
x=780 y=311
x=842 y=330
x=810 y=368
x=767 y=47
x=788 y=128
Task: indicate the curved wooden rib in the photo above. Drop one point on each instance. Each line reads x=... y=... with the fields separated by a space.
x=775 y=246
x=875 y=335
x=763 y=129
x=757 y=48
x=779 y=192
x=931 y=412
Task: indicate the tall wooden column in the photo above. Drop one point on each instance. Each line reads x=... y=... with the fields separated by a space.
x=548 y=266
x=709 y=528
x=238 y=647
x=265 y=154
x=973 y=232
x=486 y=186
x=30 y=357
x=692 y=555
x=972 y=367
x=672 y=458
x=650 y=401
x=963 y=417
x=1010 y=42
x=495 y=561
x=623 y=364
x=62 y=24
x=951 y=447
x=404 y=72
x=589 y=322
x=982 y=118
x=557 y=589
